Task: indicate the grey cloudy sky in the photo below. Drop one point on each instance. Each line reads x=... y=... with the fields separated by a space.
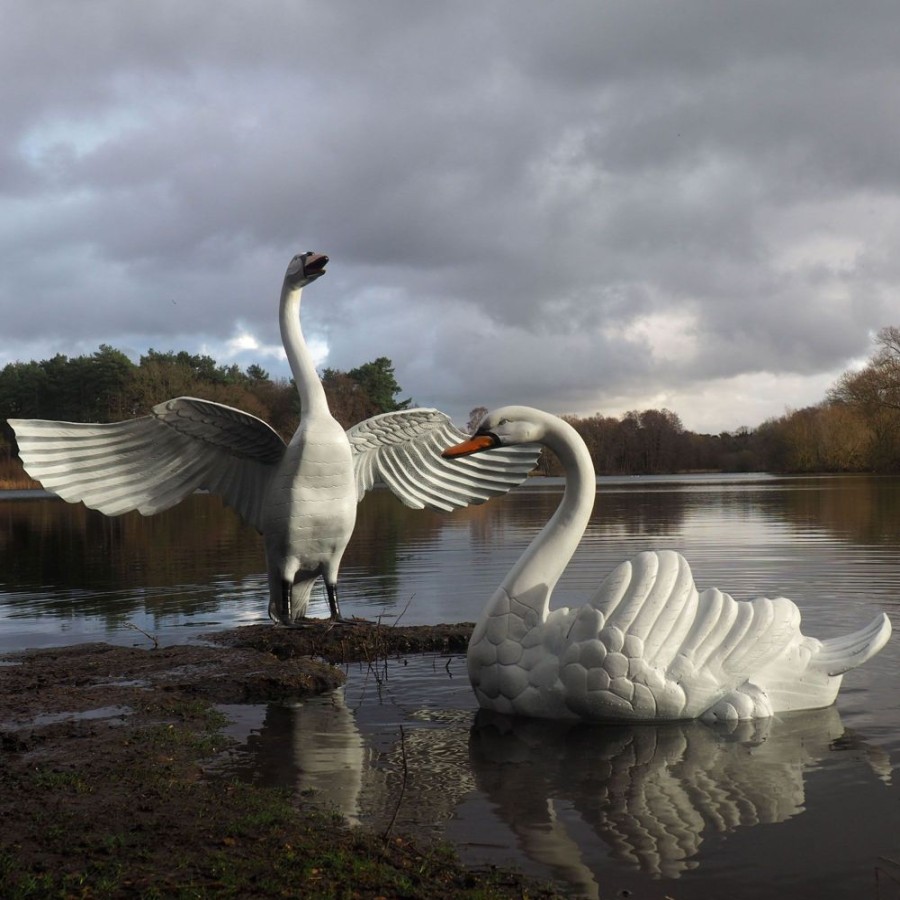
x=583 y=206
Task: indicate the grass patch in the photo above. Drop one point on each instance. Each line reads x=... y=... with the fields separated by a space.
x=235 y=840
x=60 y=780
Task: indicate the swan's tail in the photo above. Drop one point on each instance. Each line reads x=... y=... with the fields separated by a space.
x=839 y=655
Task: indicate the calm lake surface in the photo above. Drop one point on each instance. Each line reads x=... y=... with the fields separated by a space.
x=806 y=805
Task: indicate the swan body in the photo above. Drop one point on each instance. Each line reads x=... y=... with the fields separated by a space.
x=301 y=496
x=648 y=645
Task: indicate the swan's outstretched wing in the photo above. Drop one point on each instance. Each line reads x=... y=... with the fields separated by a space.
x=151 y=463
x=403 y=450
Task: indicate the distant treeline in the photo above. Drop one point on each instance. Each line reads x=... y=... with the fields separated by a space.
x=106 y=386
x=855 y=429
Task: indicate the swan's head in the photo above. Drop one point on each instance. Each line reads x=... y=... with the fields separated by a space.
x=304 y=268
x=508 y=426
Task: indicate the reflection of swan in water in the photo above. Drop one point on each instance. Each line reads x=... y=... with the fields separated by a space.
x=649 y=792
x=647 y=646
x=418 y=779
x=374 y=774
x=312 y=746
x=572 y=794
x=302 y=497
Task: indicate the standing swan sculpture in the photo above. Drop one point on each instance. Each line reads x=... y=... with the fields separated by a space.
x=301 y=496
x=647 y=646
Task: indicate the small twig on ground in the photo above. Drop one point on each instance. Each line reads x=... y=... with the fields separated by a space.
x=390 y=824
x=150 y=637
x=403 y=612
x=372 y=668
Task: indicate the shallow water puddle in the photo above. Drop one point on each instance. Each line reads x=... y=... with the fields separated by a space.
x=45 y=719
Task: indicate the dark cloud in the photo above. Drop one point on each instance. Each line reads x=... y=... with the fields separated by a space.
x=584 y=207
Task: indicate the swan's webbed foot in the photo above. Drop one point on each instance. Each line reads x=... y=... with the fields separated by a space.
x=347 y=623
x=327 y=624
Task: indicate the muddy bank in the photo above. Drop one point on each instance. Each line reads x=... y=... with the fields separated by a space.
x=254 y=664
x=340 y=644
x=105 y=787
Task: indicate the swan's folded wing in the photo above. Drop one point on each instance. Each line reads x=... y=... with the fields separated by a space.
x=652 y=599
x=403 y=450
x=151 y=463
x=652 y=604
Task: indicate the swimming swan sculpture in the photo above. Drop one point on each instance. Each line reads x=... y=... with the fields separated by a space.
x=301 y=496
x=648 y=645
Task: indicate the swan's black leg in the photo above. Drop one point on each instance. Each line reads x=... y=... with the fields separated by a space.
x=287 y=588
x=333 y=602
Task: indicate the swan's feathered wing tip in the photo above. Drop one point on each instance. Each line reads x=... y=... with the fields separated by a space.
x=151 y=463
x=839 y=655
x=403 y=449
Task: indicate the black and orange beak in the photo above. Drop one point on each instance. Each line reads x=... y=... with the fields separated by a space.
x=315 y=263
x=306 y=267
x=475 y=444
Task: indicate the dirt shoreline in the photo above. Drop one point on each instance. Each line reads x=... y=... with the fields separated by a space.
x=105 y=788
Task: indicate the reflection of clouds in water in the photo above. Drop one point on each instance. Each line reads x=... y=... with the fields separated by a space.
x=649 y=792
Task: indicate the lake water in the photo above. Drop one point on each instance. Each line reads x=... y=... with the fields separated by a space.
x=806 y=805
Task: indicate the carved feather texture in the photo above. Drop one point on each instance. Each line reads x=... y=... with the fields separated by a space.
x=230 y=429
x=649 y=646
x=403 y=450
x=151 y=463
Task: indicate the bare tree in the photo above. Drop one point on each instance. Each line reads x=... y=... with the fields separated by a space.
x=877 y=385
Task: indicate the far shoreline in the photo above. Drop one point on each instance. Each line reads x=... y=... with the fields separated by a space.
x=12 y=488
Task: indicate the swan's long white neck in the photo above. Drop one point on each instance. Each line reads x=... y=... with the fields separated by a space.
x=312 y=394
x=532 y=579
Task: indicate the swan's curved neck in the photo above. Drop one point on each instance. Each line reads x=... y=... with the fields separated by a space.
x=312 y=394
x=533 y=577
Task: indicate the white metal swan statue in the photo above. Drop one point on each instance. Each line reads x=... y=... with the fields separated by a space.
x=301 y=496
x=648 y=645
